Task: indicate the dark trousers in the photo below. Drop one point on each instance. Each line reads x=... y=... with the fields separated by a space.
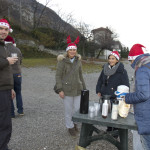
x=17 y=89
x=5 y=118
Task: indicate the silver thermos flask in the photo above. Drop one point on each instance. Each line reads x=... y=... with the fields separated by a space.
x=84 y=103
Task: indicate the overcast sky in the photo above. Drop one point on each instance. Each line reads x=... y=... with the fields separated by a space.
x=130 y=19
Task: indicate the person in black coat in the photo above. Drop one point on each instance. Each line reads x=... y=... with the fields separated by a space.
x=112 y=75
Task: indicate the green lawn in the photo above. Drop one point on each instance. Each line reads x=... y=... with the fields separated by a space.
x=51 y=63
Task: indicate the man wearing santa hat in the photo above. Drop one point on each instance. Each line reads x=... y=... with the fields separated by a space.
x=140 y=99
x=6 y=86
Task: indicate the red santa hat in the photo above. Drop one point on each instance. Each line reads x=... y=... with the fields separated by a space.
x=135 y=51
x=116 y=54
x=9 y=39
x=72 y=45
x=4 y=22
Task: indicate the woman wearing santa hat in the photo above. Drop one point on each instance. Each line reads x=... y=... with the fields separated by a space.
x=112 y=75
x=70 y=82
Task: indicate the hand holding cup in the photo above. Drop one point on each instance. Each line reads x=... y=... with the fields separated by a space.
x=12 y=59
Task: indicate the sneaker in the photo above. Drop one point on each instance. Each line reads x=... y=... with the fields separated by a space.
x=72 y=131
x=76 y=128
x=21 y=114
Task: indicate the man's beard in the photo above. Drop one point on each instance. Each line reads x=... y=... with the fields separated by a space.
x=2 y=39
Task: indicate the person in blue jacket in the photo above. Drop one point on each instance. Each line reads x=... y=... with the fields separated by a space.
x=140 y=99
x=112 y=75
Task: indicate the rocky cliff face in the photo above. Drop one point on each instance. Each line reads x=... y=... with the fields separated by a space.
x=30 y=14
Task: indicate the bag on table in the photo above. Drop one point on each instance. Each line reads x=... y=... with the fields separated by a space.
x=123 y=109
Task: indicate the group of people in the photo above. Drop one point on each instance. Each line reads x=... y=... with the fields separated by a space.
x=10 y=83
x=70 y=82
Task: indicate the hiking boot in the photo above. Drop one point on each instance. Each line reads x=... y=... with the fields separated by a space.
x=76 y=128
x=72 y=131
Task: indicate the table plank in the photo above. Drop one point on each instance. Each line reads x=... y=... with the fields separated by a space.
x=124 y=123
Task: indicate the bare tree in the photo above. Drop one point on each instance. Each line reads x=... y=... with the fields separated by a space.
x=105 y=40
x=63 y=24
x=86 y=35
x=68 y=20
x=37 y=17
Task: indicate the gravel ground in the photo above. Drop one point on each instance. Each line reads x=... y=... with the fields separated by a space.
x=42 y=127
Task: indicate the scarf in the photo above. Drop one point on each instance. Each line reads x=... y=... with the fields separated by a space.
x=144 y=60
x=110 y=71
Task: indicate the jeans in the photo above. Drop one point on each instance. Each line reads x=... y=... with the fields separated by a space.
x=145 y=140
x=17 y=89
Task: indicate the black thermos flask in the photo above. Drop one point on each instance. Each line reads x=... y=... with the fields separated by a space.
x=84 y=104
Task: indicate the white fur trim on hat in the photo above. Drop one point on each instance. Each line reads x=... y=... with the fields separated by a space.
x=132 y=57
x=6 y=25
x=71 y=47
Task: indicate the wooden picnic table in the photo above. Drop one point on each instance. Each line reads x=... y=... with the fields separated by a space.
x=89 y=125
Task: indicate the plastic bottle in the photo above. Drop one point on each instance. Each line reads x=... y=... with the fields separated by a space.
x=114 y=114
x=105 y=109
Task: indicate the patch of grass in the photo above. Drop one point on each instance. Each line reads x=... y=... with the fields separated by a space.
x=40 y=62
x=51 y=63
x=91 y=67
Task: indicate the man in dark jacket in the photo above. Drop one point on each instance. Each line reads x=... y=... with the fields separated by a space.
x=6 y=86
x=16 y=70
x=141 y=97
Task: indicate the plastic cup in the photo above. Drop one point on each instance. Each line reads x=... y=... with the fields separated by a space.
x=13 y=54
